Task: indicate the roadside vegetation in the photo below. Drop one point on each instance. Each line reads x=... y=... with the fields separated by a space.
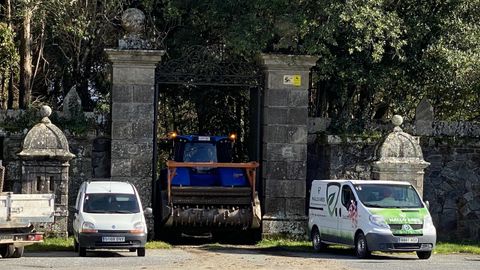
x=62 y=244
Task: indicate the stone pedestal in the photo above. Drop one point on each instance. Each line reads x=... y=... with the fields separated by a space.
x=133 y=118
x=412 y=172
x=284 y=142
x=45 y=165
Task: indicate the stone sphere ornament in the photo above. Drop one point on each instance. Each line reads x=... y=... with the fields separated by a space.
x=133 y=21
x=397 y=120
x=45 y=111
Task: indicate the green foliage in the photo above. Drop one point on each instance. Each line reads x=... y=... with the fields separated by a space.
x=8 y=53
x=25 y=120
x=77 y=124
x=376 y=57
x=53 y=244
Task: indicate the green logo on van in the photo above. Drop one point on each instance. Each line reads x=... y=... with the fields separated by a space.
x=333 y=191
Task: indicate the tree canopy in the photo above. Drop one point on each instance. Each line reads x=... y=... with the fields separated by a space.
x=376 y=57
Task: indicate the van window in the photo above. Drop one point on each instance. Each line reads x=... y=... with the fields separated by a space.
x=347 y=196
x=110 y=203
x=388 y=196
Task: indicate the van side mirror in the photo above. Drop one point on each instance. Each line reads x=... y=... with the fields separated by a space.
x=148 y=211
x=427 y=204
x=73 y=210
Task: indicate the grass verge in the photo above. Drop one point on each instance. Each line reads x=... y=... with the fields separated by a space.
x=66 y=244
x=306 y=246
x=460 y=247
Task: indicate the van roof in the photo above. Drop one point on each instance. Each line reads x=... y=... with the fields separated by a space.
x=109 y=187
x=378 y=182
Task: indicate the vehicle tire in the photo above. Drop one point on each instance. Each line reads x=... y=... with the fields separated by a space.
x=317 y=243
x=361 y=247
x=7 y=251
x=75 y=245
x=141 y=252
x=18 y=253
x=423 y=255
x=82 y=251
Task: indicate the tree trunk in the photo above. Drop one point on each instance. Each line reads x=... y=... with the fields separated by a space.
x=26 y=60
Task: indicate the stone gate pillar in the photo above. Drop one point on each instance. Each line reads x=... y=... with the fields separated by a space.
x=284 y=129
x=133 y=107
x=399 y=157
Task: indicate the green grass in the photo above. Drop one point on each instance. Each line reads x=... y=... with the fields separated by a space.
x=306 y=246
x=157 y=245
x=53 y=244
x=461 y=247
x=66 y=244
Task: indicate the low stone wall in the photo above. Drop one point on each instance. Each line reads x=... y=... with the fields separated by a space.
x=81 y=168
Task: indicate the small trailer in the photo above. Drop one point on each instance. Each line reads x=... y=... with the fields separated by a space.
x=18 y=212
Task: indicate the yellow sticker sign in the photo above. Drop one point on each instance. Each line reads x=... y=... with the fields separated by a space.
x=295 y=80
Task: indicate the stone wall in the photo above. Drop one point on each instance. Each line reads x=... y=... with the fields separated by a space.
x=452 y=181
x=81 y=168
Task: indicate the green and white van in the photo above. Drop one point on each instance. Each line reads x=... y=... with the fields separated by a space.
x=370 y=215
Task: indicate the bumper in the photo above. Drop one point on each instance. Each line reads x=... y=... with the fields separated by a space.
x=95 y=240
x=385 y=242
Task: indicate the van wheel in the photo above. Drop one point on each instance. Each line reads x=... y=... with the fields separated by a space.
x=361 y=247
x=75 y=245
x=141 y=252
x=7 y=251
x=18 y=253
x=423 y=255
x=82 y=252
x=317 y=243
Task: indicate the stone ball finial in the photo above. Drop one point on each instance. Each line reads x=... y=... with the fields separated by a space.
x=45 y=111
x=397 y=120
x=133 y=21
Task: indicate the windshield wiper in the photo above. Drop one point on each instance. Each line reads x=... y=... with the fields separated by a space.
x=96 y=211
x=122 y=211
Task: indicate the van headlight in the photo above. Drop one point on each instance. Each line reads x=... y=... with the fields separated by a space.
x=88 y=227
x=138 y=228
x=379 y=221
x=427 y=221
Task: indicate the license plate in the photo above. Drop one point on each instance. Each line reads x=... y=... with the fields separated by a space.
x=408 y=240
x=113 y=239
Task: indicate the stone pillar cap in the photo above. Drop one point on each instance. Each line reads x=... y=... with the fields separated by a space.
x=399 y=146
x=45 y=141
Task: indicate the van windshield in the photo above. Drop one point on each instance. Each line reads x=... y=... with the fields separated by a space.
x=110 y=203
x=388 y=196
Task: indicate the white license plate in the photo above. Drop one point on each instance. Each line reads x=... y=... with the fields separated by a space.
x=113 y=239
x=413 y=240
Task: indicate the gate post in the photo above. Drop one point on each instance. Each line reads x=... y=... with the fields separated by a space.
x=133 y=108
x=284 y=142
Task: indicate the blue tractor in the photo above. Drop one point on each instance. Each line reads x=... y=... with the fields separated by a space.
x=202 y=190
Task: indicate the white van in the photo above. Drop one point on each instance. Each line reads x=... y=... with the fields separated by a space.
x=109 y=215
x=370 y=215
